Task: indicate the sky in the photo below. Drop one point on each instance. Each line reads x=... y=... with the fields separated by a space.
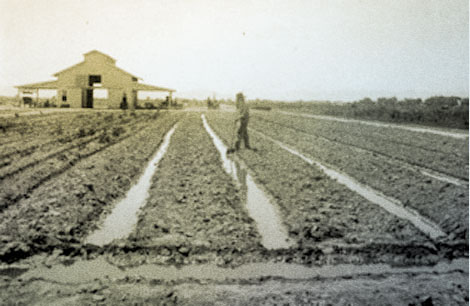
x=339 y=50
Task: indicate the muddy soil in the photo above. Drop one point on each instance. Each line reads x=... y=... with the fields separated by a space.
x=395 y=288
x=194 y=212
x=444 y=154
x=57 y=214
x=444 y=203
x=196 y=215
x=329 y=222
x=33 y=163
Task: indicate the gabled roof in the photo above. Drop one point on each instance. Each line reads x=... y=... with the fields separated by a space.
x=68 y=68
x=100 y=53
x=107 y=63
x=146 y=87
x=40 y=85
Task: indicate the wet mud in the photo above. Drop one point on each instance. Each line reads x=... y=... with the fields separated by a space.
x=122 y=219
x=391 y=205
x=436 y=152
x=195 y=241
x=441 y=202
x=260 y=207
x=326 y=218
x=444 y=284
x=195 y=212
x=59 y=213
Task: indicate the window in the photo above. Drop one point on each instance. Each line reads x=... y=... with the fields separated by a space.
x=92 y=79
x=64 y=96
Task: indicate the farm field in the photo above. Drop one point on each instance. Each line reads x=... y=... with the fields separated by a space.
x=197 y=241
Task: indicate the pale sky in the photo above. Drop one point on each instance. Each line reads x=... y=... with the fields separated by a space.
x=282 y=50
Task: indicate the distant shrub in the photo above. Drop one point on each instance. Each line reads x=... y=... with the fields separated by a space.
x=265 y=108
x=65 y=105
x=437 y=111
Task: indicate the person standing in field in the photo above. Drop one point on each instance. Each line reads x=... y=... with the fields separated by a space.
x=243 y=118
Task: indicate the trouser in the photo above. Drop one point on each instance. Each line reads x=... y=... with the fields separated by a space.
x=242 y=134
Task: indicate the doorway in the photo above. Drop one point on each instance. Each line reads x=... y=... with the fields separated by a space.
x=88 y=101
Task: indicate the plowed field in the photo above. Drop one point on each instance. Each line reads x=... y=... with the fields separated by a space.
x=197 y=241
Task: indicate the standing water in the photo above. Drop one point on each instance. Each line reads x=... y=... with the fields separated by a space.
x=121 y=221
x=391 y=205
x=260 y=209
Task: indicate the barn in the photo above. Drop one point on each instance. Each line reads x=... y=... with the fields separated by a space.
x=75 y=85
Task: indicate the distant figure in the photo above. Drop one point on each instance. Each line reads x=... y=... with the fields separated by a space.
x=166 y=103
x=243 y=117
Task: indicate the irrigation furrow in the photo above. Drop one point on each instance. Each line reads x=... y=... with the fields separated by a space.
x=43 y=175
x=58 y=214
x=319 y=211
x=121 y=221
x=430 y=172
x=391 y=205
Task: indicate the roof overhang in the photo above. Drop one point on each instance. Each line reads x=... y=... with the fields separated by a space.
x=40 y=85
x=146 y=87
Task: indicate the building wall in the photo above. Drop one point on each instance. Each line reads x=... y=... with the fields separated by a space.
x=74 y=97
x=114 y=80
x=115 y=98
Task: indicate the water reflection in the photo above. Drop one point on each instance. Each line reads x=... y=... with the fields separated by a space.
x=269 y=225
x=121 y=221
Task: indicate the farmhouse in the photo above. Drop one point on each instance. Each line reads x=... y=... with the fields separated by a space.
x=75 y=85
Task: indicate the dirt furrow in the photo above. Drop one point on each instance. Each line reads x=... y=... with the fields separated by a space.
x=61 y=212
x=194 y=212
x=59 y=134
x=321 y=213
x=373 y=149
x=416 y=149
x=27 y=177
x=429 y=196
